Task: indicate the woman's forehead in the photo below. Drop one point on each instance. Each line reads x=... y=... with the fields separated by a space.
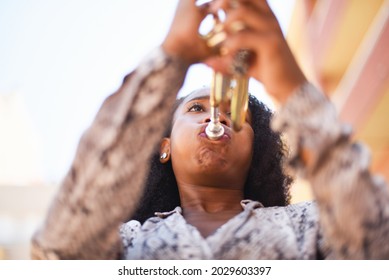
x=197 y=94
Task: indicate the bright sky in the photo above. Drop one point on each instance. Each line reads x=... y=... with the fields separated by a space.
x=64 y=57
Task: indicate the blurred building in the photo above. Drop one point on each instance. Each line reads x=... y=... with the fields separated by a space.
x=20 y=149
x=24 y=197
x=22 y=209
x=342 y=46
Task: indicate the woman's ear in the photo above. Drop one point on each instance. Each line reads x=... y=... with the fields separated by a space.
x=164 y=150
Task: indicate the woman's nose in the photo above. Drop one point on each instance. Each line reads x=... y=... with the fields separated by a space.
x=223 y=118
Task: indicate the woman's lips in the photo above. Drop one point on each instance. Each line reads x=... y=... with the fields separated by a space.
x=225 y=136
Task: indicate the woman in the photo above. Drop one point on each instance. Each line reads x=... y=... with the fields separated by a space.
x=264 y=181
x=105 y=183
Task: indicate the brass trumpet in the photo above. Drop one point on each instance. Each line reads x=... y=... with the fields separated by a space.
x=227 y=88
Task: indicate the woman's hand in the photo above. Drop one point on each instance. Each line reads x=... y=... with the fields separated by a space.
x=183 y=38
x=251 y=24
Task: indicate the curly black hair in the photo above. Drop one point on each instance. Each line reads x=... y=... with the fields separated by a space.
x=266 y=181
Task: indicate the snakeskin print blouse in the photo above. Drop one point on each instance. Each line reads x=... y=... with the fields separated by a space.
x=349 y=218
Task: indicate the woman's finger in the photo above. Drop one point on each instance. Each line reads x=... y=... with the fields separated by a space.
x=183 y=38
x=220 y=64
x=253 y=19
x=228 y=5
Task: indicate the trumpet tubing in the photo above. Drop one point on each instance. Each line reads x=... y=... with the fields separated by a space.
x=220 y=89
x=239 y=102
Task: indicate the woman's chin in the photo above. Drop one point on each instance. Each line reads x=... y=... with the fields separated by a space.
x=212 y=160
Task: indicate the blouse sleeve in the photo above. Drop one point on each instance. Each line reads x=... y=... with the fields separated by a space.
x=353 y=203
x=106 y=178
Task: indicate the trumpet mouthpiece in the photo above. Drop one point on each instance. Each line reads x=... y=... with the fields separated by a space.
x=214 y=131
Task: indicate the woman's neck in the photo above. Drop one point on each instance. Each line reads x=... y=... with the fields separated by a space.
x=208 y=208
x=211 y=200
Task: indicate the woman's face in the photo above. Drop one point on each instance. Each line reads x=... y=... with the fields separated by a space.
x=199 y=160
